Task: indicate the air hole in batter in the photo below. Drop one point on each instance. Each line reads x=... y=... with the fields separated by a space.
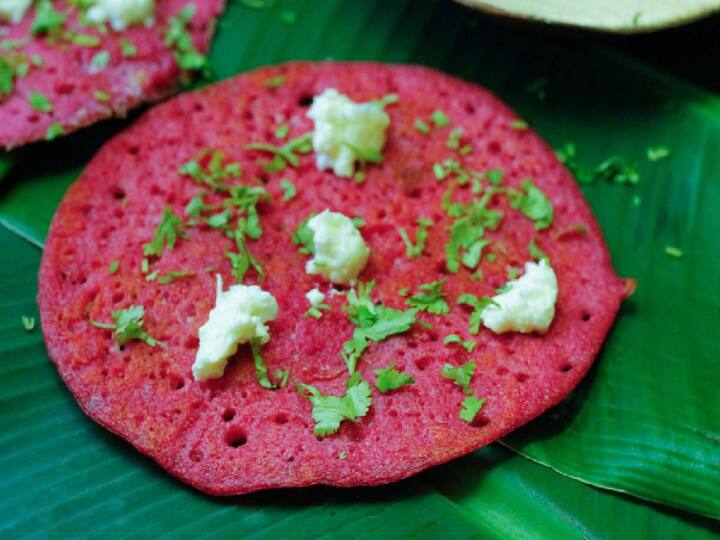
x=281 y=418
x=176 y=382
x=566 y=367
x=235 y=437
x=305 y=100
x=195 y=455
x=521 y=377
x=228 y=414
x=192 y=342
x=585 y=316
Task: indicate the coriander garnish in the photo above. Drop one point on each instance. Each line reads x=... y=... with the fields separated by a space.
x=390 y=378
x=460 y=375
x=28 y=323
x=415 y=250
x=468 y=344
x=128 y=326
x=431 y=299
x=329 y=411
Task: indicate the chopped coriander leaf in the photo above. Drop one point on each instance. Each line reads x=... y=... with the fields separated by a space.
x=491 y=257
x=39 y=102
x=54 y=131
x=343 y=454
x=196 y=205
x=99 y=61
x=535 y=252
x=7 y=76
x=179 y=39
x=145 y=266
x=286 y=154
x=415 y=250
x=359 y=177
x=672 y=251
x=315 y=310
x=470 y=408
x=373 y=322
x=289 y=190
x=513 y=272
x=152 y=275
x=47 y=19
x=101 y=96
x=282 y=131
x=82 y=40
x=533 y=203
x=466 y=233
x=329 y=411
x=207 y=168
x=494 y=176
x=453 y=142
x=165 y=235
x=389 y=99
x=36 y=60
x=421 y=126
x=275 y=82
x=282 y=376
x=359 y=222
x=390 y=378
x=28 y=323
x=478 y=305
x=658 y=153
x=432 y=299
x=174 y=275
x=518 y=124
x=439 y=118
x=461 y=375
x=114 y=265
x=219 y=220
x=128 y=326
x=439 y=171
x=468 y=345
x=616 y=169
x=404 y=291
x=261 y=370
x=303 y=236
x=465 y=150
x=243 y=260
x=127 y=48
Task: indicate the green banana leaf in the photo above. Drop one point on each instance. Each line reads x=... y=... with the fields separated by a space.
x=645 y=419
x=62 y=476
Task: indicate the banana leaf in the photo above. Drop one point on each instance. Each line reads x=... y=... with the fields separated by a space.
x=645 y=419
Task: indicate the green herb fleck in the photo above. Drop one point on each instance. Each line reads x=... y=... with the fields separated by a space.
x=99 y=61
x=415 y=250
x=289 y=190
x=439 y=118
x=174 y=275
x=373 y=322
x=128 y=326
x=432 y=299
x=39 y=102
x=275 y=82
x=47 y=19
x=453 y=142
x=179 y=39
x=470 y=408
x=127 y=48
x=101 y=96
x=533 y=203
x=518 y=124
x=461 y=375
x=165 y=235
x=114 y=265
x=673 y=251
x=28 y=323
x=421 y=126
x=329 y=411
x=315 y=310
x=390 y=378
x=535 y=251
x=468 y=344
x=282 y=131
x=478 y=305
x=261 y=370
x=658 y=153
x=54 y=130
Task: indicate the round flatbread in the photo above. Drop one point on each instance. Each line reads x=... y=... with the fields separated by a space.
x=230 y=435
x=62 y=75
